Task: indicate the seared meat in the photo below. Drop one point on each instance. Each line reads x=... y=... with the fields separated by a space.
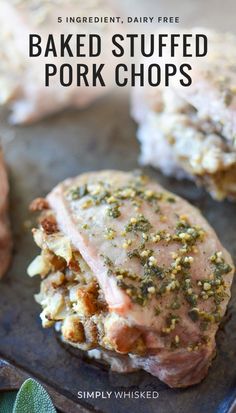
x=135 y=270
x=22 y=78
x=5 y=236
x=190 y=131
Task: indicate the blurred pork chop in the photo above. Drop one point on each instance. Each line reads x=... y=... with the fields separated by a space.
x=5 y=235
x=22 y=78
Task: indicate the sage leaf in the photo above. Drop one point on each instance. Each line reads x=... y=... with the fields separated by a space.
x=33 y=398
x=7 y=401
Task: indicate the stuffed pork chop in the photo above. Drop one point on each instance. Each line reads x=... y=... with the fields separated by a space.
x=5 y=235
x=22 y=78
x=190 y=131
x=189 y=148
x=132 y=273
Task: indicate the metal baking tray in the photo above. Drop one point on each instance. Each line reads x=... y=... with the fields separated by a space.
x=38 y=157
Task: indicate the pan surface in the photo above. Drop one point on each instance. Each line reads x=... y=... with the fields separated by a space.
x=38 y=157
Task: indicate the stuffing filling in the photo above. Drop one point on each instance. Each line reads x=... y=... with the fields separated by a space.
x=70 y=295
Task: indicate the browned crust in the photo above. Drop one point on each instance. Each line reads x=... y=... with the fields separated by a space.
x=38 y=204
x=49 y=224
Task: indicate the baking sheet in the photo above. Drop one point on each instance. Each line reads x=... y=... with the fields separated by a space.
x=39 y=156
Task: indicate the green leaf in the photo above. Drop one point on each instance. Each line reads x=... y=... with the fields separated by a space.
x=7 y=400
x=33 y=398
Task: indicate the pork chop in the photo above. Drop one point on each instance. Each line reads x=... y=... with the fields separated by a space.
x=189 y=147
x=152 y=279
x=212 y=92
x=22 y=78
x=213 y=89
x=5 y=235
x=190 y=131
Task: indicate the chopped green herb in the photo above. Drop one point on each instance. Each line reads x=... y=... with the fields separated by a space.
x=157 y=311
x=79 y=192
x=227 y=96
x=175 y=305
x=114 y=211
x=107 y=261
x=194 y=314
x=140 y=223
x=171 y=199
